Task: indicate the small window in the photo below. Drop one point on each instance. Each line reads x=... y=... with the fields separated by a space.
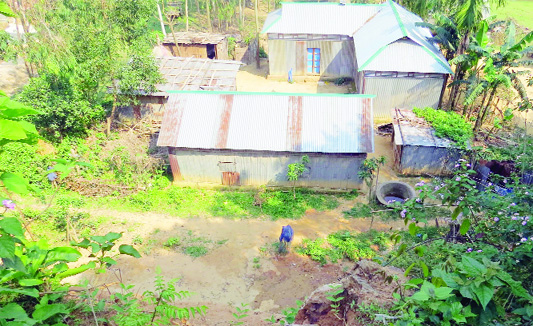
x=313 y=60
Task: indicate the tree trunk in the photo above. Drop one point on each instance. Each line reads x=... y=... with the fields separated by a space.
x=171 y=25
x=482 y=103
x=257 y=59
x=459 y=74
x=163 y=30
x=208 y=10
x=197 y=6
x=187 y=15
x=241 y=14
x=113 y=112
x=481 y=116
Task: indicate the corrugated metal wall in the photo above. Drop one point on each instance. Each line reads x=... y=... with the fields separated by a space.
x=266 y=168
x=337 y=57
x=401 y=93
x=420 y=160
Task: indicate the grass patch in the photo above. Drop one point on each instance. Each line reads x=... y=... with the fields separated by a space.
x=195 y=251
x=190 y=244
x=51 y=224
x=345 y=245
x=192 y=202
x=519 y=11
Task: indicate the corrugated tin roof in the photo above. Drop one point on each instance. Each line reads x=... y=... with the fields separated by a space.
x=415 y=131
x=391 y=24
x=326 y=18
x=407 y=56
x=194 y=38
x=197 y=74
x=307 y=123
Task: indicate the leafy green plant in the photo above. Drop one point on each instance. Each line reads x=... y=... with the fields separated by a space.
x=241 y=313
x=470 y=294
x=172 y=242
x=335 y=297
x=367 y=172
x=163 y=300
x=296 y=170
x=447 y=124
x=289 y=315
x=100 y=246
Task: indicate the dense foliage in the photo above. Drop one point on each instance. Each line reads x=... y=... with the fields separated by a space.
x=86 y=55
x=447 y=124
x=477 y=271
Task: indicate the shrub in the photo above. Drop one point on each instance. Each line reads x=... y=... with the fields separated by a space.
x=64 y=109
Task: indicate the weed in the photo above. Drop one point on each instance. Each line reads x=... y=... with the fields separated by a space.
x=256 y=260
x=335 y=298
x=241 y=312
x=137 y=240
x=221 y=242
x=172 y=242
x=195 y=251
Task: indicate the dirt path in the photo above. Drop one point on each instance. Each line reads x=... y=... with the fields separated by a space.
x=228 y=275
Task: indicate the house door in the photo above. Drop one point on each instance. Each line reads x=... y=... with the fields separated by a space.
x=313 y=61
x=211 y=51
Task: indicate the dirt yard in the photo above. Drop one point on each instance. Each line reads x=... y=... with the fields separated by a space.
x=251 y=79
x=235 y=271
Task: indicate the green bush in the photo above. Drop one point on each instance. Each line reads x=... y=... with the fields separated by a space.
x=64 y=109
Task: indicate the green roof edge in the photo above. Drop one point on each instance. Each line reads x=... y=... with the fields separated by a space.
x=332 y=3
x=437 y=58
x=402 y=27
x=271 y=93
x=272 y=24
x=372 y=58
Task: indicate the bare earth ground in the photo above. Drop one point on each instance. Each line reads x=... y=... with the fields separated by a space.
x=251 y=79
x=226 y=276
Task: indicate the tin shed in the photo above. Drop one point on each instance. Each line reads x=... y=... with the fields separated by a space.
x=417 y=151
x=250 y=138
x=197 y=45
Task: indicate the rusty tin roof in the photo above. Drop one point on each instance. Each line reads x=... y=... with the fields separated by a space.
x=197 y=74
x=194 y=38
x=307 y=123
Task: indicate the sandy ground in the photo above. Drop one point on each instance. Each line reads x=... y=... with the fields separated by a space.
x=251 y=79
x=228 y=275
x=13 y=76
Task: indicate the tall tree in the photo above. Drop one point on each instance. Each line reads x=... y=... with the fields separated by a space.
x=257 y=59
x=468 y=14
